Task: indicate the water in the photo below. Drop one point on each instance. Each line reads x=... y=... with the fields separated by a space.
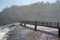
x=4 y=31
x=21 y=33
x=47 y=29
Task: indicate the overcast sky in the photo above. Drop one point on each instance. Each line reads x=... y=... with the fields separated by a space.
x=8 y=3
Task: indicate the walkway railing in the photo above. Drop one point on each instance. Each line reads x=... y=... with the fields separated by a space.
x=45 y=24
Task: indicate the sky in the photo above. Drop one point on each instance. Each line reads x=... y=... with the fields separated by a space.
x=8 y=3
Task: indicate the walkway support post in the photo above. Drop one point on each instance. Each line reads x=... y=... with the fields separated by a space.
x=36 y=25
x=21 y=23
x=59 y=32
x=58 y=29
x=24 y=24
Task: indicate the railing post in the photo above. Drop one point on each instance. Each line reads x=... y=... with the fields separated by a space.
x=46 y=24
x=24 y=24
x=58 y=29
x=42 y=23
x=21 y=23
x=59 y=32
x=36 y=25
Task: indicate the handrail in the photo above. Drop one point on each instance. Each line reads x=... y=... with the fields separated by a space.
x=45 y=24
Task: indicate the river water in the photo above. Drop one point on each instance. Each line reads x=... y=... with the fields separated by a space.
x=20 y=33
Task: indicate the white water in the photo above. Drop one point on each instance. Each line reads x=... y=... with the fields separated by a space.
x=6 y=30
x=3 y=33
x=51 y=30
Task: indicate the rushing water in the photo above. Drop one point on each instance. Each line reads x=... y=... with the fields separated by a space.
x=21 y=33
x=3 y=33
